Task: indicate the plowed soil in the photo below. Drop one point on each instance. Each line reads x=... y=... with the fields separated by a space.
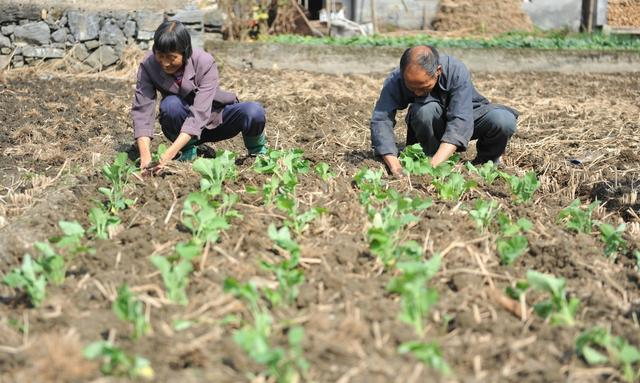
x=57 y=131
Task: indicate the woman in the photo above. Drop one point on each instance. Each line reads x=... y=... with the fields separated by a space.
x=193 y=109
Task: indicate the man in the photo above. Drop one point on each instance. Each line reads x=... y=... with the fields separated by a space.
x=445 y=111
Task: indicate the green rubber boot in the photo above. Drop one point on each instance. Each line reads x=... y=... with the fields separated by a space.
x=188 y=153
x=256 y=145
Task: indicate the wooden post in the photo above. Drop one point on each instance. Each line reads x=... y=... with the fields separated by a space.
x=373 y=16
x=587 y=15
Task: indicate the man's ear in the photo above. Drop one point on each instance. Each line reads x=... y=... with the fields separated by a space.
x=439 y=70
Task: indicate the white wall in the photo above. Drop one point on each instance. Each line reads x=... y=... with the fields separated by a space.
x=554 y=14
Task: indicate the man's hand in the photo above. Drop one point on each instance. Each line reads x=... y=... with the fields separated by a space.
x=394 y=165
x=445 y=150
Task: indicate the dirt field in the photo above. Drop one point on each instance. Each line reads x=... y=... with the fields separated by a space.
x=482 y=17
x=58 y=131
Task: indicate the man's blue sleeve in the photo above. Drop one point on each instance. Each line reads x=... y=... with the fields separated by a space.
x=384 y=115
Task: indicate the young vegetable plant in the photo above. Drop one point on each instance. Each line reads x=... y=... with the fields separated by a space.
x=101 y=220
x=372 y=188
x=297 y=221
x=511 y=244
x=175 y=270
x=71 y=239
x=322 y=170
x=416 y=297
x=597 y=346
x=559 y=310
x=29 y=277
x=52 y=263
x=483 y=213
x=414 y=161
x=118 y=174
x=523 y=188
x=215 y=171
x=284 y=365
x=203 y=217
x=612 y=238
x=128 y=308
x=488 y=171
x=453 y=187
x=287 y=273
x=115 y=362
x=428 y=353
x=577 y=219
x=284 y=166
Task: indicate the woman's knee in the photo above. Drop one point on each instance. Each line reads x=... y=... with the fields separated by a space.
x=254 y=112
x=172 y=106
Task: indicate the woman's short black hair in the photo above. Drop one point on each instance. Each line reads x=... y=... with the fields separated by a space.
x=172 y=37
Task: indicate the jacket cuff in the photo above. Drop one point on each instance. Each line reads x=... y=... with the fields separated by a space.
x=191 y=130
x=455 y=139
x=143 y=133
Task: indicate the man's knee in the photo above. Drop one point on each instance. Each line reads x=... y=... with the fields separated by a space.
x=172 y=106
x=426 y=114
x=503 y=122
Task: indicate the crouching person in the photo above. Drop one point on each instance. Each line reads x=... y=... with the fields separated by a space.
x=445 y=111
x=193 y=109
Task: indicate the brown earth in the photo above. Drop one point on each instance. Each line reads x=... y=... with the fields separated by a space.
x=482 y=16
x=624 y=13
x=57 y=131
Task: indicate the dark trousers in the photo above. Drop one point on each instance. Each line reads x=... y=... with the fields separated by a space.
x=247 y=118
x=427 y=123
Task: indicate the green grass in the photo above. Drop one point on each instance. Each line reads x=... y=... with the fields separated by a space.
x=536 y=40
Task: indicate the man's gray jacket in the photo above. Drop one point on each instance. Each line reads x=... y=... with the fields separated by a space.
x=454 y=92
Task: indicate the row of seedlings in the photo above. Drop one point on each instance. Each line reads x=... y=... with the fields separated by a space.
x=390 y=213
x=284 y=364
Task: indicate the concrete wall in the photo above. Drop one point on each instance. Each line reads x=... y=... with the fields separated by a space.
x=407 y=14
x=159 y=5
x=554 y=14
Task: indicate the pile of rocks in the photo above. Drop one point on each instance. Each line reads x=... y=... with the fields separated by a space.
x=93 y=39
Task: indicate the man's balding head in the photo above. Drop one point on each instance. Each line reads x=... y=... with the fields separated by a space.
x=423 y=57
x=420 y=69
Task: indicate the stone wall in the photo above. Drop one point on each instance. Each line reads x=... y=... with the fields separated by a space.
x=91 y=40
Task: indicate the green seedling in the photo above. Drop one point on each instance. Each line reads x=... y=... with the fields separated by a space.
x=29 y=277
x=101 y=221
x=175 y=271
x=445 y=169
x=284 y=166
x=511 y=244
x=453 y=187
x=284 y=365
x=515 y=292
x=511 y=248
x=428 y=353
x=488 y=171
x=597 y=346
x=322 y=170
x=416 y=297
x=215 y=171
x=298 y=222
x=414 y=161
x=287 y=273
x=118 y=174
x=155 y=157
x=129 y=308
x=577 y=219
x=71 y=238
x=559 y=310
x=612 y=238
x=636 y=254
x=483 y=213
x=523 y=188
x=203 y=219
x=52 y=263
x=115 y=362
x=371 y=187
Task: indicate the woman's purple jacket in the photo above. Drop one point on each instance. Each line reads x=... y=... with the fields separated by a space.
x=200 y=87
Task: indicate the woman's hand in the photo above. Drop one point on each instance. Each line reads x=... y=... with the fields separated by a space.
x=145 y=153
